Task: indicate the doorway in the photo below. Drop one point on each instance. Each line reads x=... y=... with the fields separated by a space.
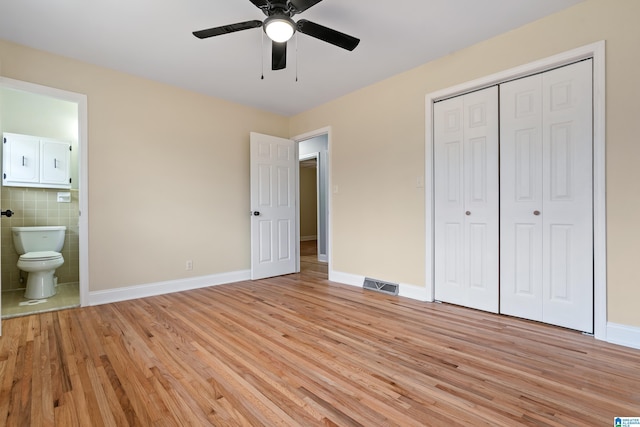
x=313 y=212
x=62 y=116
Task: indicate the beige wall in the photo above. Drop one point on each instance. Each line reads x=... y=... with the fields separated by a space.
x=378 y=137
x=168 y=171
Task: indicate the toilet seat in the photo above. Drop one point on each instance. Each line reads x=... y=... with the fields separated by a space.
x=40 y=256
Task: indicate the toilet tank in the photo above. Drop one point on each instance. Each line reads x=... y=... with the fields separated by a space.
x=37 y=239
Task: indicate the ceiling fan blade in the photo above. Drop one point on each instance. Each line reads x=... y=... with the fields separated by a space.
x=226 y=29
x=260 y=3
x=302 y=5
x=278 y=55
x=328 y=35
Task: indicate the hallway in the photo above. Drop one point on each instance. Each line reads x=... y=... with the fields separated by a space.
x=309 y=259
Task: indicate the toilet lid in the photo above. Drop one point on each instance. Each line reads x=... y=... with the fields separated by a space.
x=40 y=256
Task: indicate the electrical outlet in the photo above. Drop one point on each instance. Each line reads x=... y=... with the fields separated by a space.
x=189 y=265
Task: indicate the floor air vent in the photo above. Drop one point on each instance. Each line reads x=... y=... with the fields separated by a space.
x=380 y=286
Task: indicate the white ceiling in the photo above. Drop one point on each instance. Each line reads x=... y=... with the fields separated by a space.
x=152 y=39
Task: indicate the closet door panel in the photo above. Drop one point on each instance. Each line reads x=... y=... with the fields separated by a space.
x=521 y=198
x=449 y=218
x=546 y=212
x=481 y=198
x=526 y=275
x=466 y=195
x=452 y=260
x=568 y=202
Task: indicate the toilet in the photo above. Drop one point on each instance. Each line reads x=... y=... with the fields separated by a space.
x=39 y=249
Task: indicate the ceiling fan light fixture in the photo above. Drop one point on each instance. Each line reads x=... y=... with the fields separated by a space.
x=279 y=28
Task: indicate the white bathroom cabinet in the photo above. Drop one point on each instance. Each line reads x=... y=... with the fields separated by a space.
x=32 y=161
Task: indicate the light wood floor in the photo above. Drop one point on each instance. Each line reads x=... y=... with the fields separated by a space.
x=309 y=260
x=298 y=350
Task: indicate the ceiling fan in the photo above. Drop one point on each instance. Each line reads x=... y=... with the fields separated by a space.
x=279 y=27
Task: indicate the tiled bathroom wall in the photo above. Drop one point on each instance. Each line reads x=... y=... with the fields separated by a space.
x=37 y=207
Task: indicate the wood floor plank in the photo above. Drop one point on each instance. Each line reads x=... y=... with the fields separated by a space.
x=300 y=350
x=8 y=364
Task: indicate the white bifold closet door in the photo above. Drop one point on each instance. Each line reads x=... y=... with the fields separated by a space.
x=466 y=200
x=546 y=197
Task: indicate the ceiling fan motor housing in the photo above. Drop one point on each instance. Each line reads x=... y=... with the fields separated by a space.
x=279 y=8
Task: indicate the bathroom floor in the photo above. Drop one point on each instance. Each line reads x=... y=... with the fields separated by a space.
x=14 y=303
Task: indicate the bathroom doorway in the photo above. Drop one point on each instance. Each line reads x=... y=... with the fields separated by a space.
x=35 y=110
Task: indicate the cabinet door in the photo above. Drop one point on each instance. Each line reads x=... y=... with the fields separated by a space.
x=55 y=157
x=466 y=200
x=21 y=155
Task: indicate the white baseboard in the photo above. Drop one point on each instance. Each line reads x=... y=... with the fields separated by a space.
x=346 y=278
x=414 y=292
x=307 y=238
x=405 y=290
x=628 y=336
x=160 y=288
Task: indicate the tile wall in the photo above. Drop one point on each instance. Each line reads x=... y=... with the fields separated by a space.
x=32 y=207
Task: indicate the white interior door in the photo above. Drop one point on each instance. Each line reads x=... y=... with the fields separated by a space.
x=466 y=200
x=547 y=197
x=273 y=209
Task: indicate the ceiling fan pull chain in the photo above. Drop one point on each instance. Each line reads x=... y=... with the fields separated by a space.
x=262 y=54
x=296 y=56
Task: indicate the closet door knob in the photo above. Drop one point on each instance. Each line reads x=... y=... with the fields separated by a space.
x=536 y=213
x=467 y=213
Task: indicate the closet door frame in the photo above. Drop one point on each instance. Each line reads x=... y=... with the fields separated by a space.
x=596 y=51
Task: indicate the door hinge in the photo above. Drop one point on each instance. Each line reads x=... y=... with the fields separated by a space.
x=70 y=148
x=69 y=180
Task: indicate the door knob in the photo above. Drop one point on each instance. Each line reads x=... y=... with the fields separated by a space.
x=467 y=213
x=256 y=213
x=7 y=213
x=536 y=213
